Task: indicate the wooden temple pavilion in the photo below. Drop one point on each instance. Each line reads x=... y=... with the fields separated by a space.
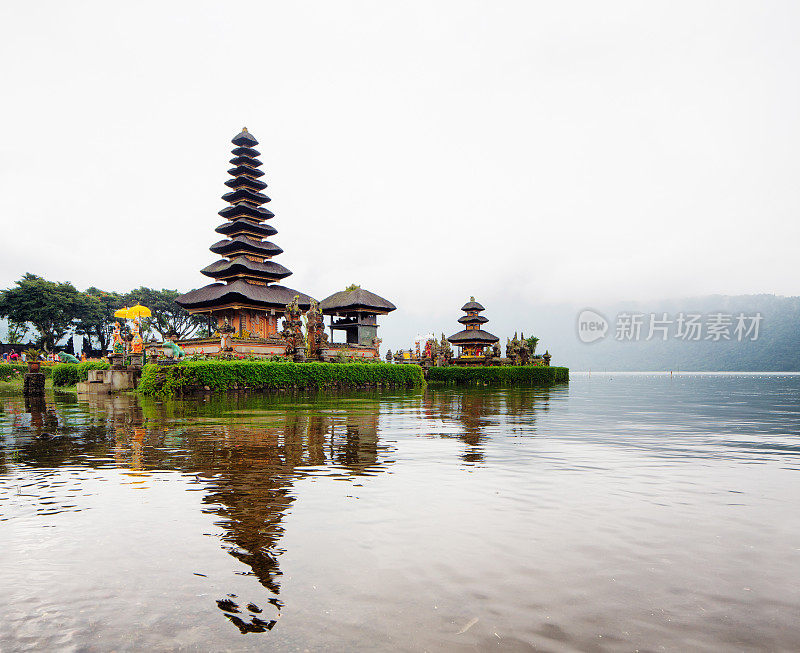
x=473 y=338
x=357 y=310
x=245 y=292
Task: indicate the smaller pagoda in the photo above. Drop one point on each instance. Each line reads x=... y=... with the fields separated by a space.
x=473 y=339
x=357 y=310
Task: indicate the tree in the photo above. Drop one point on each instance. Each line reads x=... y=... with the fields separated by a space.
x=51 y=307
x=532 y=342
x=16 y=332
x=97 y=319
x=167 y=315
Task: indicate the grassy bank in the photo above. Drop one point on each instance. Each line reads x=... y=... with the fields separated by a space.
x=521 y=375
x=222 y=376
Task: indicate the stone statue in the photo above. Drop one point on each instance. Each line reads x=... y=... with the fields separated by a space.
x=388 y=355
x=136 y=338
x=117 y=345
x=292 y=332
x=315 y=331
x=225 y=332
x=524 y=354
x=546 y=358
x=447 y=351
x=177 y=352
x=496 y=350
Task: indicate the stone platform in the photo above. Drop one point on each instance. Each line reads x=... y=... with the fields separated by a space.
x=110 y=381
x=33 y=384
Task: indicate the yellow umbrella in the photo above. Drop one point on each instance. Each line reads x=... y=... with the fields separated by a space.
x=123 y=313
x=138 y=311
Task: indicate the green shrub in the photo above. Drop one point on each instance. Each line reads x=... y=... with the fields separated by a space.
x=71 y=373
x=12 y=371
x=518 y=375
x=257 y=375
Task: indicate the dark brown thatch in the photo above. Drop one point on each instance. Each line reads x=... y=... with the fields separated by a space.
x=245 y=244
x=245 y=182
x=245 y=195
x=472 y=305
x=244 y=170
x=269 y=270
x=217 y=294
x=472 y=337
x=244 y=139
x=355 y=300
x=242 y=225
x=473 y=319
x=245 y=151
x=245 y=161
x=246 y=211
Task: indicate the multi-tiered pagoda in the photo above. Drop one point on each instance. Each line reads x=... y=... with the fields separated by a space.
x=245 y=292
x=473 y=338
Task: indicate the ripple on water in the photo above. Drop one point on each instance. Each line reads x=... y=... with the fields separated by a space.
x=642 y=512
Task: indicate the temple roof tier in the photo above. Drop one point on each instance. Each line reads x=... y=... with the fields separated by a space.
x=472 y=305
x=246 y=211
x=244 y=170
x=243 y=266
x=246 y=182
x=355 y=300
x=241 y=292
x=245 y=151
x=244 y=226
x=245 y=161
x=244 y=245
x=245 y=195
x=246 y=273
x=472 y=337
x=473 y=319
x=244 y=139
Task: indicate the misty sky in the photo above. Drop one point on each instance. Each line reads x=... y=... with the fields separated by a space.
x=522 y=152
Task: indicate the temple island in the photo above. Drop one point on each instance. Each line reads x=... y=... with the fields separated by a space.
x=246 y=301
x=476 y=346
x=251 y=315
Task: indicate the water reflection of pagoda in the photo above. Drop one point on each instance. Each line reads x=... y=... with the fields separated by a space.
x=246 y=292
x=248 y=473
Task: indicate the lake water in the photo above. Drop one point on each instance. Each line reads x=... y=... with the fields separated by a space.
x=618 y=513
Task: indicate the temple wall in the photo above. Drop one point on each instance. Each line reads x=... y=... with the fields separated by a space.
x=211 y=347
x=258 y=324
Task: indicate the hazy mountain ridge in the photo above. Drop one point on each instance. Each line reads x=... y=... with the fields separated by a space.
x=775 y=349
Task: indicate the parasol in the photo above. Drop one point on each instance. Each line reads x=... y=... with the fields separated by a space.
x=138 y=311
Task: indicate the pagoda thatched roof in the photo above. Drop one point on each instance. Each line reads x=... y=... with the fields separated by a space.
x=472 y=336
x=473 y=319
x=244 y=139
x=239 y=291
x=243 y=225
x=472 y=305
x=245 y=244
x=243 y=265
x=355 y=300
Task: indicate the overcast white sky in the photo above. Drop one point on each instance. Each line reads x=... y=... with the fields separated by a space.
x=524 y=152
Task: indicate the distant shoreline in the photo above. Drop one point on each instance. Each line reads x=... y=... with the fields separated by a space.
x=685 y=373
